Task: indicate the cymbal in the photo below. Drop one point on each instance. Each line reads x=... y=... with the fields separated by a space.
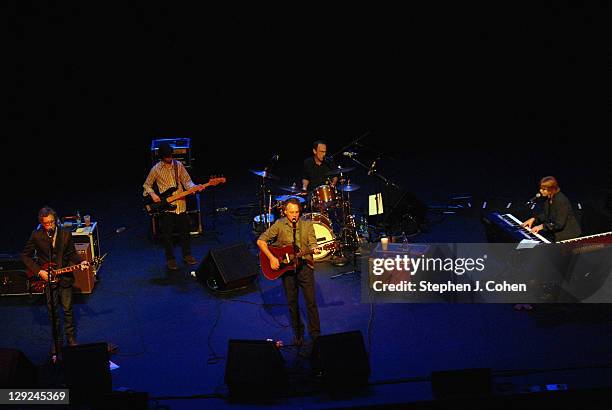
x=283 y=198
x=293 y=190
x=348 y=187
x=264 y=173
x=340 y=170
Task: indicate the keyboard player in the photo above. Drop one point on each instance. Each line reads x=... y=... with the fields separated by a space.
x=556 y=220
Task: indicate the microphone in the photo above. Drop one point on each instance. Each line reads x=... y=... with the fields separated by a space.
x=532 y=200
x=349 y=154
x=50 y=233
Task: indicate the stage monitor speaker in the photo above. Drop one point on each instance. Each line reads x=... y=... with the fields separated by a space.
x=16 y=370
x=461 y=383
x=228 y=268
x=255 y=370
x=87 y=371
x=342 y=361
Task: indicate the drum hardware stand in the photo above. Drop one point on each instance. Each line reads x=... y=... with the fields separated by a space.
x=354 y=270
x=265 y=195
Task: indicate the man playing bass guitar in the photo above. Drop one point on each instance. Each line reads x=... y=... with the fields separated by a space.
x=169 y=173
x=291 y=230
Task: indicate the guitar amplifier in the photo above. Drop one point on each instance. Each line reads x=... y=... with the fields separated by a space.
x=84 y=279
x=181 y=150
x=195 y=218
x=195 y=224
x=13 y=278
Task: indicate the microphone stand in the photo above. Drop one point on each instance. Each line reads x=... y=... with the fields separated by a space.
x=50 y=295
x=295 y=247
x=354 y=142
x=371 y=171
x=213 y=231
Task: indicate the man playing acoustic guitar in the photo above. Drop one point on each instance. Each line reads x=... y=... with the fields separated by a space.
x=54 y=245
x=291 y=230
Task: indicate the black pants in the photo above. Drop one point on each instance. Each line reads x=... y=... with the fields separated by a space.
x=168 y=222
x=61 y=296
x=303 y=278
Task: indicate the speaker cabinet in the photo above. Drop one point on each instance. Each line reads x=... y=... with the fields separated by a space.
x=194 y=213
x=84 y=279
x=16 y=370
x=87 y=371
x=228 y=268
x=13 y=277
x=341 y=361
x=255 y=369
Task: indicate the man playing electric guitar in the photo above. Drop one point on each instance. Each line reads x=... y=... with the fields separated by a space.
x=53 y=245
x=291 y=230
x=168 y=173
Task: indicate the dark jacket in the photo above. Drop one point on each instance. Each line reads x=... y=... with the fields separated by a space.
x=64 y=253
x=558 y=218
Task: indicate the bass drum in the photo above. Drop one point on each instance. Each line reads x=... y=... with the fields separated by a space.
x=323 y=232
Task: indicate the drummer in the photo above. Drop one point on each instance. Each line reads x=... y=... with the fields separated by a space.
x=318 y=168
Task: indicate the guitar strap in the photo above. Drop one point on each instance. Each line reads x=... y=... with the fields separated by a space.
x=176 y=179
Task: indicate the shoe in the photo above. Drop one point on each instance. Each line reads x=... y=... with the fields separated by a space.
x=190 y=260
x=171 y=264
x=72 y=341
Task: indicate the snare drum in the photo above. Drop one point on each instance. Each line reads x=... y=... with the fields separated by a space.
x=323 y=197
x=323 y=231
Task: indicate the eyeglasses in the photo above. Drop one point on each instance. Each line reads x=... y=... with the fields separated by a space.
x=48 y=222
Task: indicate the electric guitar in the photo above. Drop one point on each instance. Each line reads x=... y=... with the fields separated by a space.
x=288 y=258
x=39 y=284
x=167 y=197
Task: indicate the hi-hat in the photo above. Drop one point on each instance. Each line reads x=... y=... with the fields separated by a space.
x=293 y=189
x=264 y=173
x=283 y=198
x=340 y=170
x=348 y=187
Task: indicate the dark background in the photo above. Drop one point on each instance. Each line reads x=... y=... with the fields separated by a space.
x=510 y=95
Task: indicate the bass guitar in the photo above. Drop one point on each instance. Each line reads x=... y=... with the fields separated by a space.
x=288 y=258
x=168 y=197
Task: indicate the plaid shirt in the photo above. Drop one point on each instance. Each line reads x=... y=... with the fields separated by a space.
x=163 y=175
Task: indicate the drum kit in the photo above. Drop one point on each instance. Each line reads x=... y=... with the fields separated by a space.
x=328 y=206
